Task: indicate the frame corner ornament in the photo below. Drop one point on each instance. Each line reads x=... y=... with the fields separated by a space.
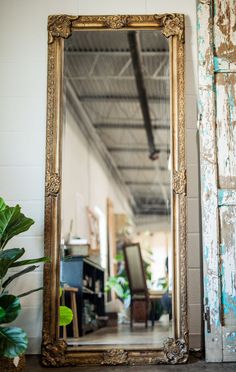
x=175 y=351
x=60 y=26
x=53 y=351
x=53 y=184
x=173 y=24
x=179 y=182
x=115 y=357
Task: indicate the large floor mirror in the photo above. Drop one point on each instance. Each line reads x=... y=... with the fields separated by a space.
x=115 y=215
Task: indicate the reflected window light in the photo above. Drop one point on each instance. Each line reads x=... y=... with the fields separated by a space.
x=169 y=163
x=103 y=235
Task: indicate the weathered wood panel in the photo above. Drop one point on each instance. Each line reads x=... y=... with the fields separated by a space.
x=228 y=274
x=217 y=88
x=225 y=34
x=226 y=129
x=209 y=192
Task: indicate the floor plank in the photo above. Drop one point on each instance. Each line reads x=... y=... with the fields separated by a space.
x=195 y=365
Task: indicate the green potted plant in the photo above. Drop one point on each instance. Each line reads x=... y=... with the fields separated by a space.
x=13 y=340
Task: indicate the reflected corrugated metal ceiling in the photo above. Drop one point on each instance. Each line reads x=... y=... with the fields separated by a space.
x=100 y=70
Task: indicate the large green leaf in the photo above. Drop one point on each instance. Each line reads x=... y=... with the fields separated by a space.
x=7 y=258
x=11 y=306
x=13 y=342
x=22 y=272
x=65 y=315
x=12 y=222
x=2 y=204
x=2 y=314
x=30 y=261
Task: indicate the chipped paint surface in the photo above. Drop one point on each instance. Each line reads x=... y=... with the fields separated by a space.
x=226 y=129
x=228 y=272
x=228 y=258
x=217 y=130
x=225 y=32
x=209 y=191
x=229 y=344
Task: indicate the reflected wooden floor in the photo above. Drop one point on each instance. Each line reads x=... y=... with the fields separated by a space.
x=122 y=334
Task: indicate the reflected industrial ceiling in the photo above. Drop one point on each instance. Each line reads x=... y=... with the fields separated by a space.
x=121 y=99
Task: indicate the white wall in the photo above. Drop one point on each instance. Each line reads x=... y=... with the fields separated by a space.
x=23 y=81
x=86 y=182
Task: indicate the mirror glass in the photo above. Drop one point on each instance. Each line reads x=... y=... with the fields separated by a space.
x=116 y=238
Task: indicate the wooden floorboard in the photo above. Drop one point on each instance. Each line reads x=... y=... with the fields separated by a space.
x=195 y=364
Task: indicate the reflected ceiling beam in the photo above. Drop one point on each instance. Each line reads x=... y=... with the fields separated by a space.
x=130 y=126
x=145 y=183
x=131 y=167
x=160 y=67
x=120 y=99
x=135 y=149
x=146 y=168
x=152 y=212
x=116 y=77
x=144 y=220
x=151 y=202
x=142 y=195
x=114 y=53
x=135 y=50
x=91 y=135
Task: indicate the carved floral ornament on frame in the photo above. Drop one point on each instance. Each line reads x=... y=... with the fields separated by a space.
x=55 y=352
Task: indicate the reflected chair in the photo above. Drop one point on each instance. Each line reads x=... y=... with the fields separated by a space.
x=137 y=282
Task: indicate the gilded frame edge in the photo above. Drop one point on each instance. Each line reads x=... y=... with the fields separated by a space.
x=54 y=350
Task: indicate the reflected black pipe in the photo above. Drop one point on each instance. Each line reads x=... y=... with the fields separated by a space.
x=135 y=51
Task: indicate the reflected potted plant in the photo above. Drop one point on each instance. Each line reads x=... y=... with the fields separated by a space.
x=13 y=340
x=120 y=284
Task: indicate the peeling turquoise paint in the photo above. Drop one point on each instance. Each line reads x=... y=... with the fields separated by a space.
x=231 y=336
x=229 y=303
x=222 y=248
x=231 y=104
x=220 y=197
x=216 y=64
x=206 y=252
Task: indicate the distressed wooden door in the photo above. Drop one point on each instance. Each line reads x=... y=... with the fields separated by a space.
x=217 y=131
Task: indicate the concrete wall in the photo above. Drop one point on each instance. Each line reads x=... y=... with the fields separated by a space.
x=23 y=81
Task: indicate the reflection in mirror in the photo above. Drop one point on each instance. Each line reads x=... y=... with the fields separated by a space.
x=116 y=241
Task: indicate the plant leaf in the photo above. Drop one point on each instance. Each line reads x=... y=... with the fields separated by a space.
x=29 y=292
x=12 y=222
x=2 y=204
x=13 y=342
x=8 y=257
x=11 y=306
x=2 y=314
x=65 y=315
x=22 y=272
x=31 y=261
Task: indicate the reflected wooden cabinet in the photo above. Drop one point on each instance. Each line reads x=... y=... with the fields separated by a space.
x=88 y=277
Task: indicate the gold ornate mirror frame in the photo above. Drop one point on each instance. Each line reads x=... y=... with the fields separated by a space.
x=55 y=351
